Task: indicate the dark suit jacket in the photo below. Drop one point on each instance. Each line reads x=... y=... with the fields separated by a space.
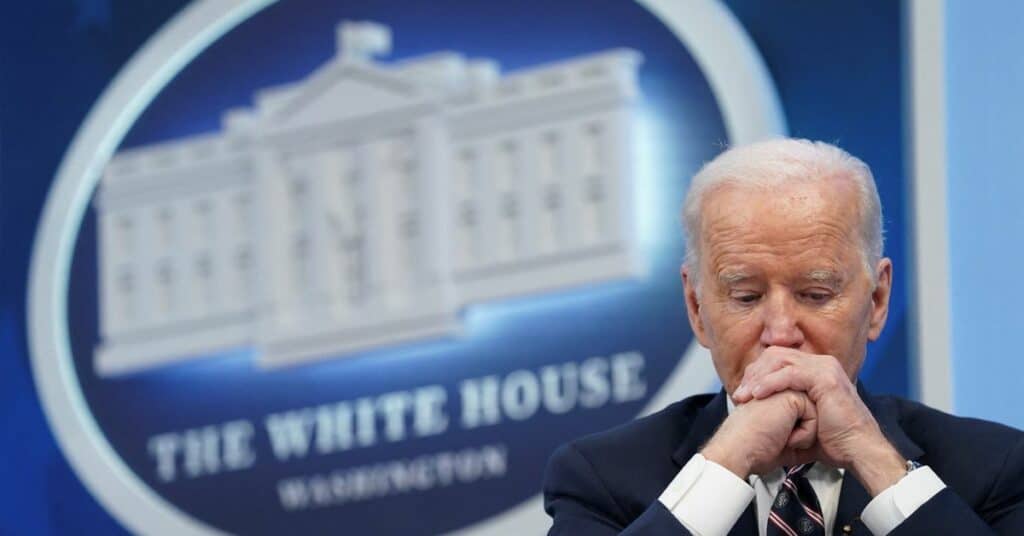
x=609 y=483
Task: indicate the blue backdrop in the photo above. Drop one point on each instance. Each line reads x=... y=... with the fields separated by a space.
x=837 y=68
x=984 y=80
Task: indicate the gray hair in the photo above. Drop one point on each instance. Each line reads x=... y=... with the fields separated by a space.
x=773 y=162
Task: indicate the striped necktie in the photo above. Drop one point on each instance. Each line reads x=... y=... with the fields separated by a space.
x=795 y=510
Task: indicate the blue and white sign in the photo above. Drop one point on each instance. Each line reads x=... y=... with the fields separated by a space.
x=319 y=268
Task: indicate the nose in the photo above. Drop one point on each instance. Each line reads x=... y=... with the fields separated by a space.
x=780 y=322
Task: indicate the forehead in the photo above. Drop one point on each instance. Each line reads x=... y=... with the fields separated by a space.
x=799 y=222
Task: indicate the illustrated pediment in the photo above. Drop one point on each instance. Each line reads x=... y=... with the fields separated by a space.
x=338 y=92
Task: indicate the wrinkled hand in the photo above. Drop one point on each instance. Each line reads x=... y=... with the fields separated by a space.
x=764 y=434
x=847 y=434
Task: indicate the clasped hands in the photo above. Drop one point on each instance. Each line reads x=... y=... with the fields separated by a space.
x=793 y=407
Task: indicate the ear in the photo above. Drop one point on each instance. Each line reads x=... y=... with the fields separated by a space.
x=880 y=298
x=693 y=306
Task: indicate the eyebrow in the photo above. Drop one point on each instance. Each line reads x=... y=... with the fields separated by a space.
x=830 y=278
x=825 y=277
x=732 y=278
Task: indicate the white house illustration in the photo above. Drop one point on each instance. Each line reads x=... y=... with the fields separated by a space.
x=366 y=205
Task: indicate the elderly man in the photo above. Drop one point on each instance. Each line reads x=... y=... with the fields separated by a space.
x=785 y=283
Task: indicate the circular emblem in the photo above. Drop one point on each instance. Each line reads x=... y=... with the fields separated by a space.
x=805 y=525
x=385 y=280
x=782 y=499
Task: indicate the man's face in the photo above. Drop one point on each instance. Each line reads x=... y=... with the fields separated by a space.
x=785 y=267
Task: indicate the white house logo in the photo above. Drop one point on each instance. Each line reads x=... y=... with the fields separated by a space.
x=384 y=289
x=367 y=205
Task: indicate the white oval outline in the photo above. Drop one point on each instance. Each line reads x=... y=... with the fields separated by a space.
x=739 y=81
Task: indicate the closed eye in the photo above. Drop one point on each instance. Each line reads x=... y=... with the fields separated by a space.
x=818 y=297
x=746 y=298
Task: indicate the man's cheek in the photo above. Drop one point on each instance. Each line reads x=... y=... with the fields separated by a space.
x=738 y=330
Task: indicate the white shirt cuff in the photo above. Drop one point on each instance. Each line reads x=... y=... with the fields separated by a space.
x=706 y=498
x=894 y=505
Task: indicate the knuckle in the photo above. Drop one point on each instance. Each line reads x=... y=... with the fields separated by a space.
x=793 y=398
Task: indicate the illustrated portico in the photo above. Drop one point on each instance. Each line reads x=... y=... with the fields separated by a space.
x=367 y=205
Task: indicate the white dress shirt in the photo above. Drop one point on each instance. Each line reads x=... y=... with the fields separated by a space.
x=708 y=499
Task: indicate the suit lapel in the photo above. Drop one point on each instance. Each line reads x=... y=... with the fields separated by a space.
x=705 y=422
x=852 y=496
x=746 y=525
x=888 y=419
x=852 y=500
